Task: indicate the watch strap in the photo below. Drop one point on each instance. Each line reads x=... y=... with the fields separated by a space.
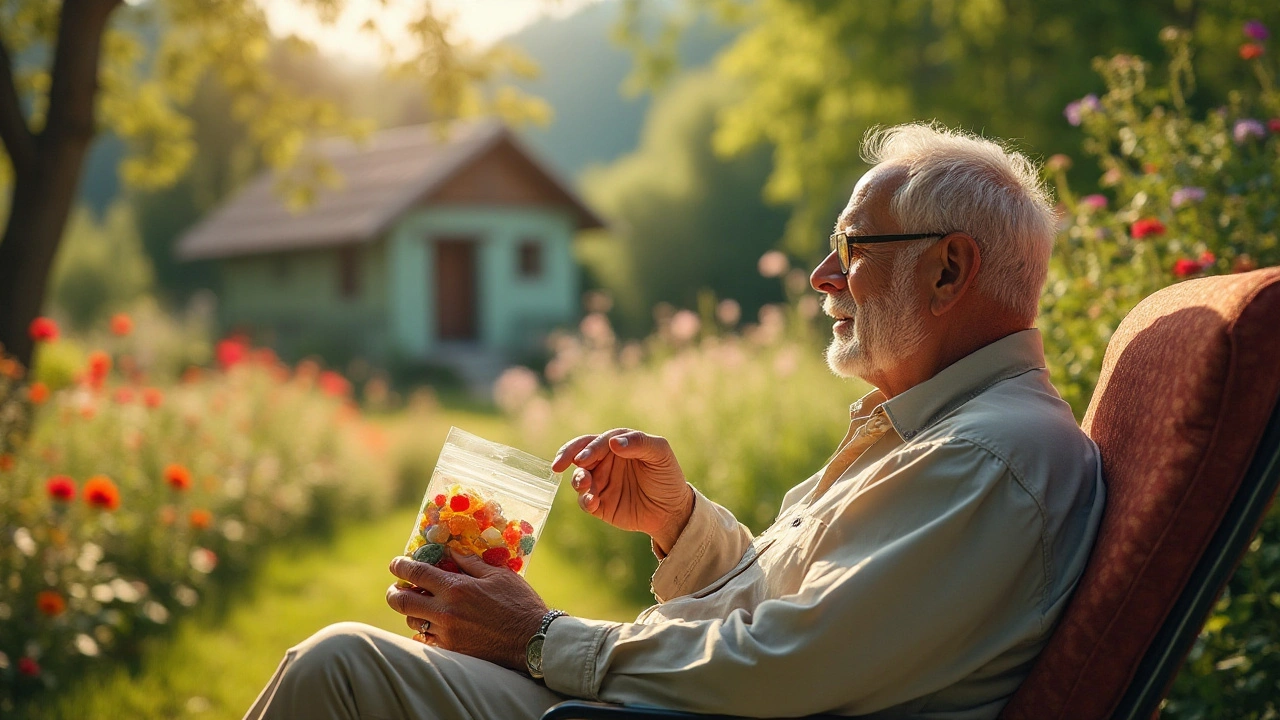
x=548 y=618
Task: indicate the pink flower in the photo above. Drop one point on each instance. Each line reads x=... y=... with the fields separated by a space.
x=1075 y=110
x=773 y=264
x=1094 y=202
x=1248 y=129
x=1255 y=30
x=1185 y=195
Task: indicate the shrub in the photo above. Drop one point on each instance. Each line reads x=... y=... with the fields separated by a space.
x=1184 y=195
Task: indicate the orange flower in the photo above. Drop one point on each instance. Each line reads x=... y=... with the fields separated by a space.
x=152 y=397
x=51 y=603
x=101 y=493
x=231 y=351
x=334 y=384
x=10 y=368
x=1251 y=51
x=191 y=375
x=6 y=462
x=178 y=477
x=99 y=366
x=121 y=324
x=62 y=488
x=201 y=519
x=42 y=329
x=38 y=393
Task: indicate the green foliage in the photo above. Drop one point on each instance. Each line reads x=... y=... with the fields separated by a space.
x=101 y=268
x=749 y=415
x=1207 y=179
x=674 y=198
x=816 y=75
x=1187 y=194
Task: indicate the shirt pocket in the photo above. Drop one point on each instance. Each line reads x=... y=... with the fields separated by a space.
x=787 y=564
x=749 y=560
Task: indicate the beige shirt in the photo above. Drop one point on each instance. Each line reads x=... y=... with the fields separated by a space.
x=916 y=575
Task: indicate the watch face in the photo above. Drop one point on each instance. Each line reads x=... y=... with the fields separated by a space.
x=533 y=655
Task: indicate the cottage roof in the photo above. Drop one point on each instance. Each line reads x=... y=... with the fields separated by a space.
x=380 y=179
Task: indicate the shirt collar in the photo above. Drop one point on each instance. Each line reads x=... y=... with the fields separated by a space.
x=919 y=407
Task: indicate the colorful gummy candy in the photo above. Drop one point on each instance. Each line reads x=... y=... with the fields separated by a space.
x=465 y=522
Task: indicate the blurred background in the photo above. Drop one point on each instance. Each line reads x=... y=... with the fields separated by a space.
x=259 y=256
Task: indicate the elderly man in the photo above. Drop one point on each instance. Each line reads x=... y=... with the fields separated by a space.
x=917 y=574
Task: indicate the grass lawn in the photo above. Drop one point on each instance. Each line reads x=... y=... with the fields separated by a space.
x=214 y=667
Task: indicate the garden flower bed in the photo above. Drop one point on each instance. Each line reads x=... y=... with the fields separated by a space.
x=123 y=504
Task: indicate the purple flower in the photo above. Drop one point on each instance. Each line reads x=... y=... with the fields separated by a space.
x=1248 y=129
x=1094 y=202
x=1184 y=195
x=1074 y=111
x=1255 y=30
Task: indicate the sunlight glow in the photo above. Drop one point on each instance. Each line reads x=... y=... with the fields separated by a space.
x=480 y=21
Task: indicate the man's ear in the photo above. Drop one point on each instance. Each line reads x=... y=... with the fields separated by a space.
x=958 y=258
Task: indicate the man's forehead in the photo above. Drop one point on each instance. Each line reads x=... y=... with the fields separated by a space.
x=870 y=197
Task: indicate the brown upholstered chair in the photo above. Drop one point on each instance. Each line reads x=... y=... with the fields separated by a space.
x=1186 y=417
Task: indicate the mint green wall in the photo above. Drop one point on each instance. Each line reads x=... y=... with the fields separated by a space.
x=293 y=302
x=513 y=313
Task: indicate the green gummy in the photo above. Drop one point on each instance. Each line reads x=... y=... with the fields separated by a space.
x=429 y=553
x=526 y=545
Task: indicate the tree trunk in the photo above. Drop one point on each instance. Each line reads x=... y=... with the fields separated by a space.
x=47 y=169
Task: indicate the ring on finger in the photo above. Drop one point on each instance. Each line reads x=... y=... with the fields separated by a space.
x=424 y=627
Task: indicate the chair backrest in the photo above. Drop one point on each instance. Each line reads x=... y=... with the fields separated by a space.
x=1181 y=413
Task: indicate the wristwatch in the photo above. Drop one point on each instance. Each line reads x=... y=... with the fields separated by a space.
x=533 y=651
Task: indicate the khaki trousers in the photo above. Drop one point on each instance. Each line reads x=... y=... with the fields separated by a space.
x=351 y=670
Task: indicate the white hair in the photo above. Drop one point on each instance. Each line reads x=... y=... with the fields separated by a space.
x=957 y=181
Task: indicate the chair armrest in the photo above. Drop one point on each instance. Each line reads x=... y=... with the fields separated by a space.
x=589 y=710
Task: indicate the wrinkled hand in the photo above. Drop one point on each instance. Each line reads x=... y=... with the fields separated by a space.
x=631 y=480
x=489 y=613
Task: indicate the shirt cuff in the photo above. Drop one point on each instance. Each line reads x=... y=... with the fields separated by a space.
x=571 y=655
x=711 y=542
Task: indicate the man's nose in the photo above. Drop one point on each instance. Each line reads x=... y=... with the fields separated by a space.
x=827 y=278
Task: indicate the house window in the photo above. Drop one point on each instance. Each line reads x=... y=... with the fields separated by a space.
x=349 y=272
x=530 y=259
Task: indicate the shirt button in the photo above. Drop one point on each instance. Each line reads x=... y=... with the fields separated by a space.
x=796 y=522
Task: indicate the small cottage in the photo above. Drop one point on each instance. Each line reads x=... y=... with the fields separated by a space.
x=452 y=249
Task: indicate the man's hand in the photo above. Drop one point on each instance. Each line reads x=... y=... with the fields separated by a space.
x=630 y=480
x=489 y=612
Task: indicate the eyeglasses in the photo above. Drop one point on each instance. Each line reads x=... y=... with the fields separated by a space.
x=842 y=245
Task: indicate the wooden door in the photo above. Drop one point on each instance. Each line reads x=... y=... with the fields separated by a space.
x=455 y=284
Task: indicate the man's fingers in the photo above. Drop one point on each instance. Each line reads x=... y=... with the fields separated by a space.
x=635 y=445
x=581 y=480
x=411 y=603
x=589 y=502
x=595 y=450
x=564 y=456
x=424 y=575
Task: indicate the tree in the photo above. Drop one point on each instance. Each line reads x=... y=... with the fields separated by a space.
x=816 y=75
x=69 y=68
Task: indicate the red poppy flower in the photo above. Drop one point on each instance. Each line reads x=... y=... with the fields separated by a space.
x=6 y=462
x=1185 y=268
x=61 y=487
x=101 y=493
x=1274 y=125
x=231 y=351
x=178 y=477
x=121 y=324
x=43 y=329
x=152 y=397
x=1207 y=258
x=1250 y=51
x=99 y=367
x=200 y=519
x=1146 y=227
x=28 y=666
x=38 y=393
x=334 y=384
x=51 y=603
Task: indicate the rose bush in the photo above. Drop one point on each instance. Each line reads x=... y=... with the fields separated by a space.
x=124 y=503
